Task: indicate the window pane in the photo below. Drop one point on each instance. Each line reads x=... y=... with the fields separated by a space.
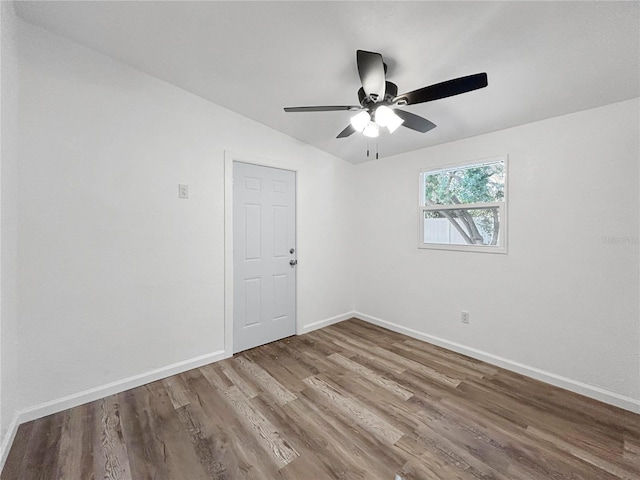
x=465 y=226
x=470 y=184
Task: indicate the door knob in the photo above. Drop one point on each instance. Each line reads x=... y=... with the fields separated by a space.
x=293 y=262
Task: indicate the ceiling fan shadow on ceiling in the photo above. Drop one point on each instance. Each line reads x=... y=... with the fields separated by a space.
x=379 y=99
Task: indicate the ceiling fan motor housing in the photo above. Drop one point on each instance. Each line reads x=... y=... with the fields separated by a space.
x=376 y=92
x=391 y=91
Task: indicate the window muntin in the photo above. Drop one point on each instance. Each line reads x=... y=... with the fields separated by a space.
x=464 y=207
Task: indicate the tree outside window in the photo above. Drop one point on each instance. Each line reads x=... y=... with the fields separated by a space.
x=464 y=207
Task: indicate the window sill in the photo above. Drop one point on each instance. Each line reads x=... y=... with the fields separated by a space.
x=464 y=248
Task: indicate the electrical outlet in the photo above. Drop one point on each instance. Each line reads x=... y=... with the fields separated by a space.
x=464 y=317
x=183 y=191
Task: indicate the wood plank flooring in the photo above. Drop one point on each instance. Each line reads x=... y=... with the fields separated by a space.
x=351 y=401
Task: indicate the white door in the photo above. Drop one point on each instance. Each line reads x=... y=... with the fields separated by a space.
x=264 y=256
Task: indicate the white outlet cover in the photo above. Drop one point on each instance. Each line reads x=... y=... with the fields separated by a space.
x=183 y=191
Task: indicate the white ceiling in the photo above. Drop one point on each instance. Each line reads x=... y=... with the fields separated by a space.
x=543 y=59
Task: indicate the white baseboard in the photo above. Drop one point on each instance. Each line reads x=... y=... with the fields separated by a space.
x=80 y=398
x=7 y=441
x=326 y=322
x=601 y=394
x=92 y=394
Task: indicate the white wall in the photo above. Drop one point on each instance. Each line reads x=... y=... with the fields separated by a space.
x=8 y=202
x=564 y=300
x=117 y=276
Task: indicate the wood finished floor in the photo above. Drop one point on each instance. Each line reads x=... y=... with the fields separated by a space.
x=351 y=401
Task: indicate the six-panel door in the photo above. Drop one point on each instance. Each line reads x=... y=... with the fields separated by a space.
x=263 y=250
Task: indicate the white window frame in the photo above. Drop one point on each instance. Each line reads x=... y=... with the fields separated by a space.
x=502 y=208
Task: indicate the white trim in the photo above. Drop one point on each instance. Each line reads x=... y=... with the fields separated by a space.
x=7 y=441
x=325 y=323
x=597 y=393
x=502 y=248
x=96 y=393
x=229 y=158
x=228 y=251
x=503 y=157
x=462 y=206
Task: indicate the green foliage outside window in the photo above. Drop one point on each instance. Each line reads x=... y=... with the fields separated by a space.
x=476 y=184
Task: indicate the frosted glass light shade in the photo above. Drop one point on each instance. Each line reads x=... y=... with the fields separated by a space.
x=394 y=123
x=360 y=121
x=371 y=130
x=386 y=117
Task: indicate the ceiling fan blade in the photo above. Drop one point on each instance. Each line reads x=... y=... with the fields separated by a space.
x=444 y=89
x=328 y=108
x=371 y=71
x=415 y=122
x=346 y=132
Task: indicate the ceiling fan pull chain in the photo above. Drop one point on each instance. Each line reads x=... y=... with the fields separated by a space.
x=376 y=149
x=367 y=148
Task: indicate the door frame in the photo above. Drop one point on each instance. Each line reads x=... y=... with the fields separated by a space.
x=229 y=158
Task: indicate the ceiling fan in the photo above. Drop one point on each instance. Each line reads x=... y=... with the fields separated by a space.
x=379 y=99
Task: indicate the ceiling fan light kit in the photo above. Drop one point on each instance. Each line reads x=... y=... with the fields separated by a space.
x=379 y=99
x=360 y=121
x=385 y=117
x=372 y=130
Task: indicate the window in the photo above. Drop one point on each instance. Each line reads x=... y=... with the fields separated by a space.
x=464 y=207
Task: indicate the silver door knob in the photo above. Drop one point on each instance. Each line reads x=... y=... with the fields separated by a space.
x=293 y=262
